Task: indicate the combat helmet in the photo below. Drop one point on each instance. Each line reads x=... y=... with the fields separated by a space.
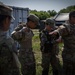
x=50 y=22
x=34 y=18
x=5 y=10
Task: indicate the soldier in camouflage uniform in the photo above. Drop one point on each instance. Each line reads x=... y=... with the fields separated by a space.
x=23 y=34
x=8 y=52
x=49 y=48
x=67 y=31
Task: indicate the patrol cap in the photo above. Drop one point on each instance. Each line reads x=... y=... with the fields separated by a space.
x=72 y=14
x=33 y=18
x=50 y=22
x=5 y=10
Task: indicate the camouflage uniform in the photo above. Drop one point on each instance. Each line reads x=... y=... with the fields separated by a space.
x=24 y=36
x=49 y=52
x=8 y=63
x=26 y=54
x=68 y=54
x=67 y=31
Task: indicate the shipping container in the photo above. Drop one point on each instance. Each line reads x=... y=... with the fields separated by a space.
x=20 y=14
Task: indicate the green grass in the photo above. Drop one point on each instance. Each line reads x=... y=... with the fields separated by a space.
x=37 y=52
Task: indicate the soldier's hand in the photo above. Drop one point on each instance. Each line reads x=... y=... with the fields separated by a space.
x=55 y=32
x=59 y=39
x=25 y=29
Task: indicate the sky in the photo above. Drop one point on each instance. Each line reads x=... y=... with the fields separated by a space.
x=40 y=5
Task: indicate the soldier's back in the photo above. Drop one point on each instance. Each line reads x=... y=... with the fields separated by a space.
x=7 y=62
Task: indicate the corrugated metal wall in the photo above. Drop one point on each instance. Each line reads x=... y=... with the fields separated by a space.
x=20 y=15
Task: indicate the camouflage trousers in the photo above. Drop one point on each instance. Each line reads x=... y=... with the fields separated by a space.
x=68 y=64
x=27 y=62
x=47 y=59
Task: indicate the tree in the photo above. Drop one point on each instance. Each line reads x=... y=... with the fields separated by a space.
x=52 y=12
x=43 y=14
x=68 y=9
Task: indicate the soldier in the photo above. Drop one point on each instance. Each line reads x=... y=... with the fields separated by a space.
x=9 y=63
x=67 y=31
x=23 y=34
x=49 y=48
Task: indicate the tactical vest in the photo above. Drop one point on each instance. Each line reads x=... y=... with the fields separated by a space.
x=47 y=45
x=48 y=41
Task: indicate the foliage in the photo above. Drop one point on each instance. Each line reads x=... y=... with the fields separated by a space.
x=68 y=9
x=50 y=13
x=43 y=14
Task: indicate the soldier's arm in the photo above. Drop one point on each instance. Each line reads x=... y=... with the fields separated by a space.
x=18 y=27
x=43 y=38
x=15 y=56
x=62 y=31
x=41 y=41
x=16 y=35
x=17 y=62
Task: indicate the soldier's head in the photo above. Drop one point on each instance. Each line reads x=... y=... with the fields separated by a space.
x=50 y=24
x=32 y=21
x=5 y=16
x=72 y=17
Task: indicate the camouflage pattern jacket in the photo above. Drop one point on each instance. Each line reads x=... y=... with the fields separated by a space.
x=47 y=42
x=23 y=36
x=67 y=31
x=7 y=60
